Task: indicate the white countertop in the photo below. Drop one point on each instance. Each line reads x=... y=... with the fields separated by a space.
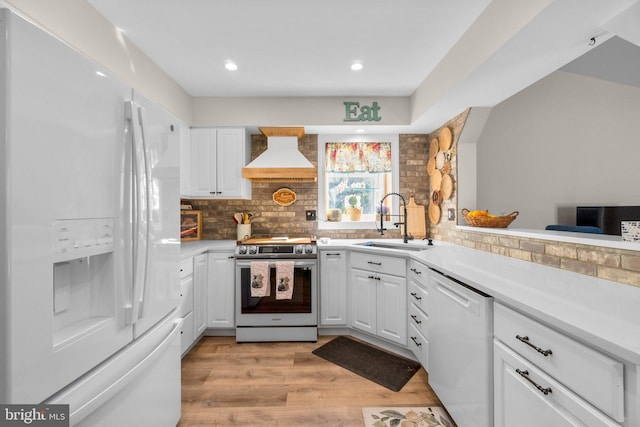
x=603 y=313
x=196 y=247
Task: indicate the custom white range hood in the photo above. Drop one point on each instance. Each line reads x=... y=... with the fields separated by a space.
x=281 y=161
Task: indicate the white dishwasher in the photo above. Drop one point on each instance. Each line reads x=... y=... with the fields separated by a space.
x=460 y=350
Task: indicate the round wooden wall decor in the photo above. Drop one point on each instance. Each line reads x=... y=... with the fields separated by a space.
x=440 y=159
x=284 y=196
x=446 y=188
x=445 y=139
x=434 y=213
x=433 y=147
x=431 y=166
x=436 y=180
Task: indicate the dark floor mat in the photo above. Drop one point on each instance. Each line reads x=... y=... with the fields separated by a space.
x=383 y=368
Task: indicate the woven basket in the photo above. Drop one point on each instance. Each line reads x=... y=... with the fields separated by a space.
x=489 y=222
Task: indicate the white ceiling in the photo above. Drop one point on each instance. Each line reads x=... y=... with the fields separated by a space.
x=305 y=47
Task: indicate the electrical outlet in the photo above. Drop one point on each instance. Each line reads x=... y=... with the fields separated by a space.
x=311 y=215
x=451 y=214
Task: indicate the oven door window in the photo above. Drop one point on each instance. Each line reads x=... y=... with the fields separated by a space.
x=300 y=301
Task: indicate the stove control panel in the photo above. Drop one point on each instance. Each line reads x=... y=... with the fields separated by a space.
x=276 y=251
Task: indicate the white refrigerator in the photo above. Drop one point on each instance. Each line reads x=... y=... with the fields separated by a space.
x=89 y=213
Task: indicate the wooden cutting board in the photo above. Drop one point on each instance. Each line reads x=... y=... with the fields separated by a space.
x=416 y=219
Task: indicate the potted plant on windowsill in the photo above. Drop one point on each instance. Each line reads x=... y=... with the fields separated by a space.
x=384 y=212
x=353 y=211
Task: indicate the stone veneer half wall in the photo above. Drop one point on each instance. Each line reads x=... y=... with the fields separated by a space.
x=607 y=263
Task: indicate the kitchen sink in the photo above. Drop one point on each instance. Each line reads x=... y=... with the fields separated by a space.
x=398 y=246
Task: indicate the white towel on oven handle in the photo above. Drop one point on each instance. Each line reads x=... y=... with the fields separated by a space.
x=284 y=279
x=260 y=280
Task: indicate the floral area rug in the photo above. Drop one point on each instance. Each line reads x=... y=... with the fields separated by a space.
x=433 y=416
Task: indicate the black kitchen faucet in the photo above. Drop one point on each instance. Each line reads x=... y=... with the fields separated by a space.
x=403 y=222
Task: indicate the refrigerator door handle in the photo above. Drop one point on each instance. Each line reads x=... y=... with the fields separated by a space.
x=140 y=212
x=149 y=198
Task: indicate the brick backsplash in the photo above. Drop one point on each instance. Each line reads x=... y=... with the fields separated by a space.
x=271 y=219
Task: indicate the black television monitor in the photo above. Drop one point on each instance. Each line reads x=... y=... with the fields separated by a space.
x=607 y=218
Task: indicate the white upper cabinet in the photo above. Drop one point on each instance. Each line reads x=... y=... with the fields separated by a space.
x=216 y=158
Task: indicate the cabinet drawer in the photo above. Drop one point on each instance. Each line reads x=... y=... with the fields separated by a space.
x=186 y=267
x=525 y=396
x=418 y=319
x=379 y=263
x=592 y=375
x=186 y=334
x=419 y=345
x=418 y=295
x=418 y=272
x=186 y=296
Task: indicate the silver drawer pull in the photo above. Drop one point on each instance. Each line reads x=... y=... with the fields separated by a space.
x=525 y=375
x=525 y=340
x=416 y=342
x=374 y=263
x=416 y=271
x=413 y=294
x=415 y=319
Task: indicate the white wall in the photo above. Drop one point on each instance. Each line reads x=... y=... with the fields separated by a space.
x=295 y=111
x=566 y=140
x=81 y=26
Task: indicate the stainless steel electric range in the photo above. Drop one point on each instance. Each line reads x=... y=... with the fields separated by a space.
x=270 y=317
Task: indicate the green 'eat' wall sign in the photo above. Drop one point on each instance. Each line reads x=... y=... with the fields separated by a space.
x=355 y=113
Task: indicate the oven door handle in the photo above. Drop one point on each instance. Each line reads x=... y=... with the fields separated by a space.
x=272 y=263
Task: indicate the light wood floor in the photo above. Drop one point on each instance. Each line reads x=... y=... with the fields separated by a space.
x=281 y=384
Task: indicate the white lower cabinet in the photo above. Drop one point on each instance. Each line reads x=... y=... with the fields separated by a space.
x=186 y=304
x=186 y=334
x=364 y=296
x=525 y=396
x=418 y=310
x=378 y=301
x=200 y=284
x=543 y=377
x=221 y=290
x=333 y=288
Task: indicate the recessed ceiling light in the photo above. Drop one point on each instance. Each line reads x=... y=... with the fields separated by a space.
x=359 y=130
x=356 y=66
x=230 y=65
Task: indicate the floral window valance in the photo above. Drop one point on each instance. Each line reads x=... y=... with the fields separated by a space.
x=358 y=157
